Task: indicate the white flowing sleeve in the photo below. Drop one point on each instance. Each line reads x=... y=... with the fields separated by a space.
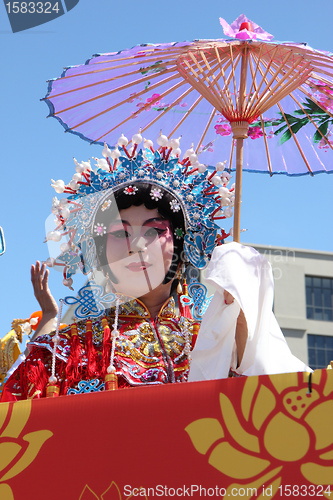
x=247 y=275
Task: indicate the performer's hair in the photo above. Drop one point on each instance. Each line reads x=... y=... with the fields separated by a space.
x=142 y=197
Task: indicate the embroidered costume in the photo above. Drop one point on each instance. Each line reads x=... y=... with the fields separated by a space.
x=147 y=351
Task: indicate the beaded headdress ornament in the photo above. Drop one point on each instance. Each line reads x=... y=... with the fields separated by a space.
x=202 y=196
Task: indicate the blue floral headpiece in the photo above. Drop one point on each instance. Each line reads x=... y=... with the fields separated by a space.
x=201 y=195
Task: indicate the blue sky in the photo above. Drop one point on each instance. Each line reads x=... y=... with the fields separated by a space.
x=282 y=211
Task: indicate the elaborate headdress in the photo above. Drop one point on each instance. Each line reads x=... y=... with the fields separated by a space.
x=201 y=195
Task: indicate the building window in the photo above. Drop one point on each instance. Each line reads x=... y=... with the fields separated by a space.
x=319 y=298
x=320 y=351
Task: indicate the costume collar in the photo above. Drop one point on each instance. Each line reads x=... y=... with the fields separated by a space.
x=135 y=308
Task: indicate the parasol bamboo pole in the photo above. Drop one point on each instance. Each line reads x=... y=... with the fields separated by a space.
x=239 y=130
x=238 y=188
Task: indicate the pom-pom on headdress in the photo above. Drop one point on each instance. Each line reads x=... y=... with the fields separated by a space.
x=202 y=196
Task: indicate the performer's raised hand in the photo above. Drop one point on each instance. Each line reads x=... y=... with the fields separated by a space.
x=48 y=305
x=39 y=279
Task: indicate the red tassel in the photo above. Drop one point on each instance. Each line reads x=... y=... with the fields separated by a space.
x=73 y=368
x=52 y=390
x=106 y=347
x=37 y=377
x=195 y=332
x=111 y=381
x=92 y=356
x=183 y=308
x=23 y=371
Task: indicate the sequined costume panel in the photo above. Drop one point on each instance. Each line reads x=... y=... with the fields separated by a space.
x=147 y=351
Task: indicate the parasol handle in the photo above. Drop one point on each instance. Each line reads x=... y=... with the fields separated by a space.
x=239 y=130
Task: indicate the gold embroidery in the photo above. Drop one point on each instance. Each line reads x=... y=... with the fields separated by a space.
x=168 y=309
x=141 y=360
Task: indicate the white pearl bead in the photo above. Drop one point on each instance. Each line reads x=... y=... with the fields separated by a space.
x=77 y=177
x=78 y=167
x=72 y=184
x=68 y=282
x=122 y=141
x=53 y=379
x=202 y=168
x=59 y=186
x=102 y=164
x=224 y=192
x=189 y=152
x=50 y=262
x=115 y=153
x=174 y=143
x=162 y=140
x=147 y=143
x=220 y=166
x=54 y=236
x=137 y=138
x=216 y=180
x=110 y=369
x=228 y=212
x=225 y=202
x=193 y=158
x=106 y=151
x=65 y=212
x=86 y=165
x=226 y=177
x=65 y=247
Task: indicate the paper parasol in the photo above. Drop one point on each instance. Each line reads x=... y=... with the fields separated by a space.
x=208 y=92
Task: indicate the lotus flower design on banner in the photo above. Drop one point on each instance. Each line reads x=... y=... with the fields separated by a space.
x=17 y=451
x=274 y=432
x=112 y=493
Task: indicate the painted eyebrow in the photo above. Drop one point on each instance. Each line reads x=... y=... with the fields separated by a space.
x=156 y=219
x=148 y=221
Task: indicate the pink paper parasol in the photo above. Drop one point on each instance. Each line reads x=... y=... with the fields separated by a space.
x=207 y=91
